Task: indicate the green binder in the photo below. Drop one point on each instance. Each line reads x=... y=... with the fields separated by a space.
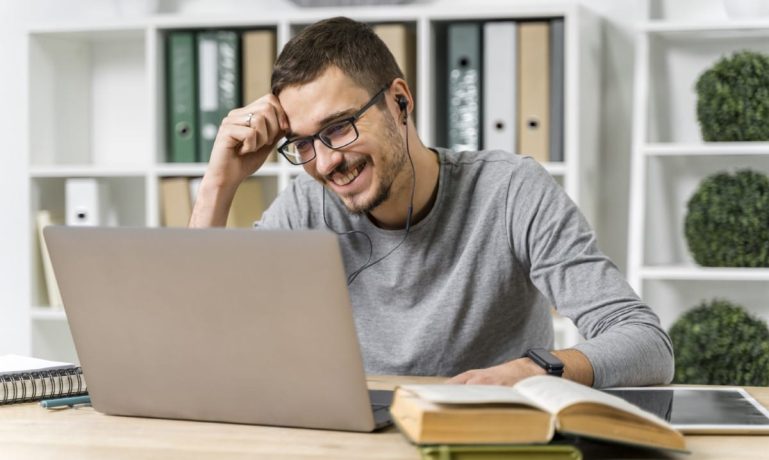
x=182 y=104
x=219 y=84
x=500 y=452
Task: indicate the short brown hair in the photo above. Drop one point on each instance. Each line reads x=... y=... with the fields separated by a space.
x=351 y=46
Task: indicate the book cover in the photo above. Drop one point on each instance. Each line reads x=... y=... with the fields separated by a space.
x=401 y=40
x=500 y=452
x=45 y=218
x=258 y=59
x=499 y=76
x=530 y=411
x=464 y=87
x=218 y=84
x=181 y=88
x=534 y=90
x=175 y=205
x=247 y=205
x=26 y=379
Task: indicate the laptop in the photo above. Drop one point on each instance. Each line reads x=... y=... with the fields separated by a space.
x=238 y=326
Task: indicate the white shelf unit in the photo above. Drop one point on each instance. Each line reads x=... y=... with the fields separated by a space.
x=103 y=89
x=670 y=160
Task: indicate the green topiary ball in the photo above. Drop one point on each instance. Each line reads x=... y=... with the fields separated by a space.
x=727 y=222
x=718 y=343
x=733 y=98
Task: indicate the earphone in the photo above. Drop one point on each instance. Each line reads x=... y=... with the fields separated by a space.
x=402 y=105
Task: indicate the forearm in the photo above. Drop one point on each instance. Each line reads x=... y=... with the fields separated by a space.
x=212 y=205
x=576 y=366
x=632 y=354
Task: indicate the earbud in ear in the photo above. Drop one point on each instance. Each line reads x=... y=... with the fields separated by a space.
x=403 y=104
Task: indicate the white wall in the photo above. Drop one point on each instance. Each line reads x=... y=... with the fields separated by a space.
x=617 y=72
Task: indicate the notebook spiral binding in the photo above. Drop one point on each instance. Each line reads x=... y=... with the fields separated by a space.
x=32 y=386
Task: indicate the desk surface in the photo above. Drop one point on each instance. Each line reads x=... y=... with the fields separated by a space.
x=28 y=431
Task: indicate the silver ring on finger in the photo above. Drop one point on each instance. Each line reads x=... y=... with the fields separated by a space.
x=248 y=119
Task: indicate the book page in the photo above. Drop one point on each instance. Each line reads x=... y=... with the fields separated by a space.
x=470 y=394
x=10 y=364
x=555 y=394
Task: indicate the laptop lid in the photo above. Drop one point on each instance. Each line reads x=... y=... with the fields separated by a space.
x=218 y=325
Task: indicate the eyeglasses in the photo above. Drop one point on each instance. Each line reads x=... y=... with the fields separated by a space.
x=336 y=135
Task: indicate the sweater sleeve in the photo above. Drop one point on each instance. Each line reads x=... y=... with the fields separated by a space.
x=624 y=340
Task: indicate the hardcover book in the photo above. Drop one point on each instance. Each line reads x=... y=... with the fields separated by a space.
x=529 y=412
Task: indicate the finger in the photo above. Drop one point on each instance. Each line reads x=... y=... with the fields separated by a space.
x=280 y=114
x=262 y=105
x=241 y=138
x=459 y=379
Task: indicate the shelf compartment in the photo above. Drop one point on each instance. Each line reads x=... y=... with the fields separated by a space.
x=89 y=98
x=671 y=182
x=676 y=62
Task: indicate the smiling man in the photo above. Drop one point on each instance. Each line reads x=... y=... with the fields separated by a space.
x=453 y=258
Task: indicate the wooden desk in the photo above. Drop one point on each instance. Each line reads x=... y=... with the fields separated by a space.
x=29 y=432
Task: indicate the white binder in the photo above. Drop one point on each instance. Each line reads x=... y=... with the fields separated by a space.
x=499 y=86
x=87 y=203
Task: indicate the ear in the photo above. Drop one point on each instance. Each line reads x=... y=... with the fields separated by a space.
x=400 y=92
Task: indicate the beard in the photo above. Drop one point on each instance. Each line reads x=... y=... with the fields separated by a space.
x=391 y=164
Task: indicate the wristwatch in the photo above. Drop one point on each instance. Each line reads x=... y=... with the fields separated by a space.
x=546 y=360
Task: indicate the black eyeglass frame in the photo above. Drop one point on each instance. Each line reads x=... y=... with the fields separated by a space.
x=351 y=119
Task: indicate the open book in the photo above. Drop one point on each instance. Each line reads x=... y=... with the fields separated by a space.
x=24 y=379
x=529 y=412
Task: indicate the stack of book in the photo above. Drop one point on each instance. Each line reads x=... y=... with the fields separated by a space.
x=523 y=418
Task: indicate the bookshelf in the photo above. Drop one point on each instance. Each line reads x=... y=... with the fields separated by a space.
x=104 y=89
x=669 y=159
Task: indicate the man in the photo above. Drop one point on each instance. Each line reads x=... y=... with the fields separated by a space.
x=453 y=258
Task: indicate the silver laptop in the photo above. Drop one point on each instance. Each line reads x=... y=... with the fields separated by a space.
x=236 y=326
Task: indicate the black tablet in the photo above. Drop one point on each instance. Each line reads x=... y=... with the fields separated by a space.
x=701 y=409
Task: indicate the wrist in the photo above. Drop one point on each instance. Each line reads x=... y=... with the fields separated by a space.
x=212 y=204
x=530 y=367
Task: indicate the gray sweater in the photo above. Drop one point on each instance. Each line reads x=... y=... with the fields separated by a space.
x=472 y=285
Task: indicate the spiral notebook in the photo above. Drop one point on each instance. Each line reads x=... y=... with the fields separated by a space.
x=25 y=379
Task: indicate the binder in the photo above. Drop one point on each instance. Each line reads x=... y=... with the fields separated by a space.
x=176 y=206
x=499 y=76
x=258 y=60
x=464 y=88
x=218 y=84
x=557 y=69
x=534 y=90
x=401 y=41
x=247 y=205
x=182 y=98
x=87 y=203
